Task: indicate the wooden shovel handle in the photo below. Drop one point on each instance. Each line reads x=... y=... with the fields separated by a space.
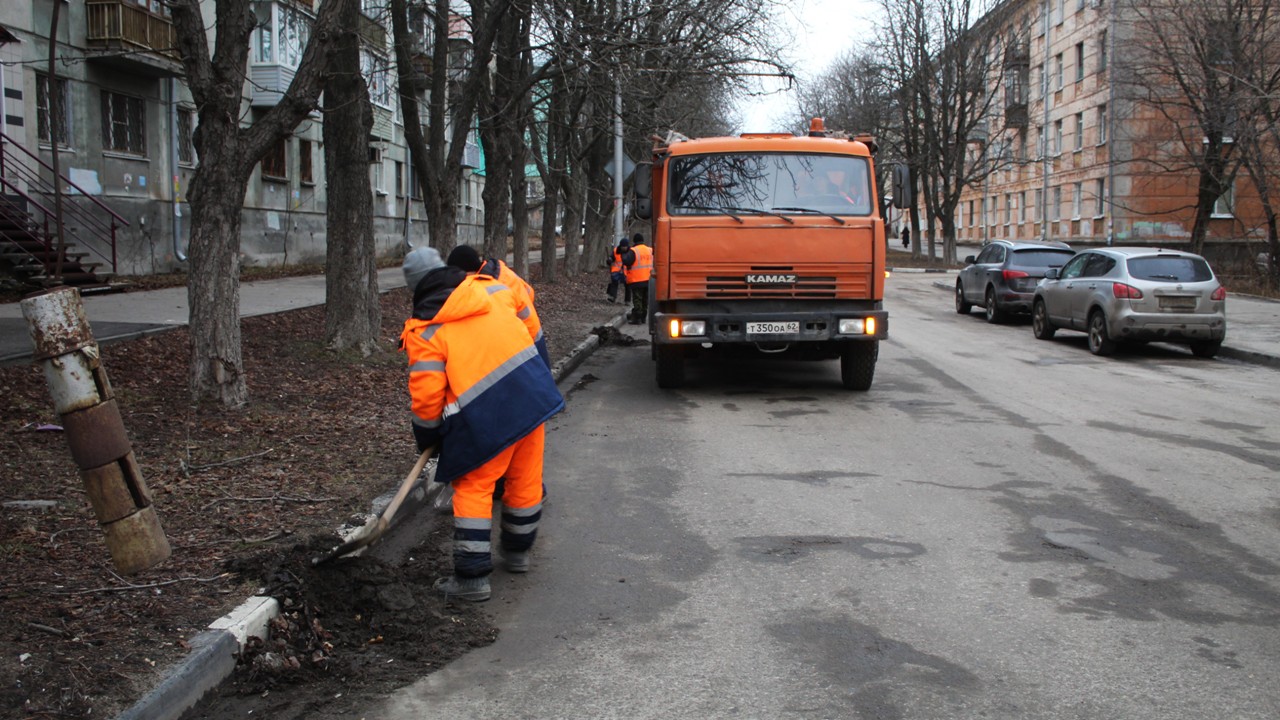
x=405 y=486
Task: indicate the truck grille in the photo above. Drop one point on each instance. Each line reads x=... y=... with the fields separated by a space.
x=735 y=286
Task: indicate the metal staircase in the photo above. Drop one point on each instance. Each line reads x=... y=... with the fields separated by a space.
x=29 y=248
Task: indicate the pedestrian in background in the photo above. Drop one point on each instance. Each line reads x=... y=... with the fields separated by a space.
x=906 y=237
x=616 y=277
x=637 y=266
x=481 y=397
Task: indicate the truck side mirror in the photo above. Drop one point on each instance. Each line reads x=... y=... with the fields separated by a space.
x=902 y=187
x=644 y=208
x=643 y=176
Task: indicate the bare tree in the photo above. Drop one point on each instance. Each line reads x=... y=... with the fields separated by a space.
x=1185 y=63
x=229 y=148
x=353 y=311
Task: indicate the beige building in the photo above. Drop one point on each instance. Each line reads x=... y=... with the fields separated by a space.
x=1074 y=154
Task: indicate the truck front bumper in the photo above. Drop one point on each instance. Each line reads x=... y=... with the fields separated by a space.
x=738 y=328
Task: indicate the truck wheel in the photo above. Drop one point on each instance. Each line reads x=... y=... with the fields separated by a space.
x=858 y=364
x=670 y=365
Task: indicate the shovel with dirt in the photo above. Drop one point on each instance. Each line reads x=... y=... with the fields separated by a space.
x=371 y=531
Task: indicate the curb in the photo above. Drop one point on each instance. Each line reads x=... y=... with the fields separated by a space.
x=921 y=270
x=213 y=655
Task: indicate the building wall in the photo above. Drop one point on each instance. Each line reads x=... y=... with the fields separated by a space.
x=1141 y=202
x=284 y=219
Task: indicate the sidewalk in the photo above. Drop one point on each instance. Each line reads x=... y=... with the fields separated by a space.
x=1253 y=327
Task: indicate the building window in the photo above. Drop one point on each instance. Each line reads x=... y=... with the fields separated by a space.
x=1100 y=202
x=973 y=219
x=1225 y=206
x=1008 y=208
x=1039 y=210
x=399 y=179
x=45 y=111
x=1102 y=124
x=1079 y=62
x=376 y=71
x=305 y=165
x=1040 y=149
x=1057 y=138
x=124 y=126
x=1079 y=131
x=1034 y=77
x=1057 y=71
x=282 y=34
x=1060 y=9
x=1077 y=192
x=1055 y=210
x=186 y=131
x=1102 y=51
x=274 y=165
x=1022 y=207
x=376 y=173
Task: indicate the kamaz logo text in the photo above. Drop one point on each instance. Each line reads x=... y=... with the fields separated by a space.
x=762 y=279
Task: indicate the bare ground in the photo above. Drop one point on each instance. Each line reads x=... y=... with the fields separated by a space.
x=246 y=498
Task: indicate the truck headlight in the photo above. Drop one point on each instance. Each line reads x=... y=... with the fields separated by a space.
x=857 y=326
x=687 y=328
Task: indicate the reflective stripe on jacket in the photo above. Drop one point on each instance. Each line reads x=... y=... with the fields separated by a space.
x=475 y=376
x=518 y=303
x=642 y=268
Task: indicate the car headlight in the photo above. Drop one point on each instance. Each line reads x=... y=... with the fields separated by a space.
x=687 y=328
x=857 y=326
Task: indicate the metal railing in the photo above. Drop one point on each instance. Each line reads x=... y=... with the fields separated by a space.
x=25 y=175
x=128 y=23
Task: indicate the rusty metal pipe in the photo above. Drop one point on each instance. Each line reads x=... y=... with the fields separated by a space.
x=95 y=432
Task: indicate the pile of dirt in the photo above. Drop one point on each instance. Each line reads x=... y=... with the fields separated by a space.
x=356 y=624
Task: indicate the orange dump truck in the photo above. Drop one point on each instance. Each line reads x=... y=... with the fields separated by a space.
x=766 y=243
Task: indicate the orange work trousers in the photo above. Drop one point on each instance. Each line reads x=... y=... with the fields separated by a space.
x=521 y=467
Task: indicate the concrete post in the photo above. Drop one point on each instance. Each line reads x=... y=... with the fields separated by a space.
x=82 y=397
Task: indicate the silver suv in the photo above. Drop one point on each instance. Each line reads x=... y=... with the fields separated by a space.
x=1133 y=294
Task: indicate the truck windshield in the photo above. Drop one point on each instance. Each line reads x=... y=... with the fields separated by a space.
x=733 y=183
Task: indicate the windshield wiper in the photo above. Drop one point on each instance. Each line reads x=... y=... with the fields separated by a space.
x=837 y=218
x=1164 y=277
x=714 y=209
x=758 y=211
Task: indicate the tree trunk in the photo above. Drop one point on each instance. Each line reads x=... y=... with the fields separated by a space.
x=353 y=311
x=213 y=283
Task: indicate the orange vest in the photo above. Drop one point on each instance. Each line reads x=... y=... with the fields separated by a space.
x=642 y=268
x=616 y=265
x=475 y=376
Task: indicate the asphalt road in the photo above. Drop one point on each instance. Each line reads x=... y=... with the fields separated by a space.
x=1002 y=527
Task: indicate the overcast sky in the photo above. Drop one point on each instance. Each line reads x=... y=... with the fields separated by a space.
x=824 y=30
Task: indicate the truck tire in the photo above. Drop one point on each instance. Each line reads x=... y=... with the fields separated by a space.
x=858 y=364
x=670 y=359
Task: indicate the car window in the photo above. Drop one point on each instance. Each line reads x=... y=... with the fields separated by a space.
x=1041 y=258
x=1098 y=266
x=1075 y=266
x=1174 y=268
x=998 y=257
x=988 y=254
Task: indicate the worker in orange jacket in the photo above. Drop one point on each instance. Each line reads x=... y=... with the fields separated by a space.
x=637 y=264
x=616 y=276
x=507 y=287
x=481 y=395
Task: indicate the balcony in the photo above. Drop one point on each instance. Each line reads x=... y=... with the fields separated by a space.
x=136 y=38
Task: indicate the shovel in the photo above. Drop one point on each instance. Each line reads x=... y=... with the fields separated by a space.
x=374 y=530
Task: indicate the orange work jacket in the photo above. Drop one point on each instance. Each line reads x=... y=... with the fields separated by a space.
x=641 y=270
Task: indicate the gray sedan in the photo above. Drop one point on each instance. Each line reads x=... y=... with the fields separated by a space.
x=1133 y=294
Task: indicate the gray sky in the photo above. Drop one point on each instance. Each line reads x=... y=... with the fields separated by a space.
x=824 y=30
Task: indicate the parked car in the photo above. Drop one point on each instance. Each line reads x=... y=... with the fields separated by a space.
x=1120 y=294
x=1002 y=278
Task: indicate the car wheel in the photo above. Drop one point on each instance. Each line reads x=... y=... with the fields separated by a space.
x=1040 y=324
x=1206 y=348
x=858 y=364
x=1100 y=343
x=962 y=306
x=670 y=359
x=994 y=313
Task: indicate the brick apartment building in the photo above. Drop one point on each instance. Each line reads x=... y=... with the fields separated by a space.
x=1076 y=155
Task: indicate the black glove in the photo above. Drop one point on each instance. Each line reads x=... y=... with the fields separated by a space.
x=426 y=437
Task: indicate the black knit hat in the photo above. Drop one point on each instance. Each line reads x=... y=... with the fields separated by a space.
x=465 y=257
